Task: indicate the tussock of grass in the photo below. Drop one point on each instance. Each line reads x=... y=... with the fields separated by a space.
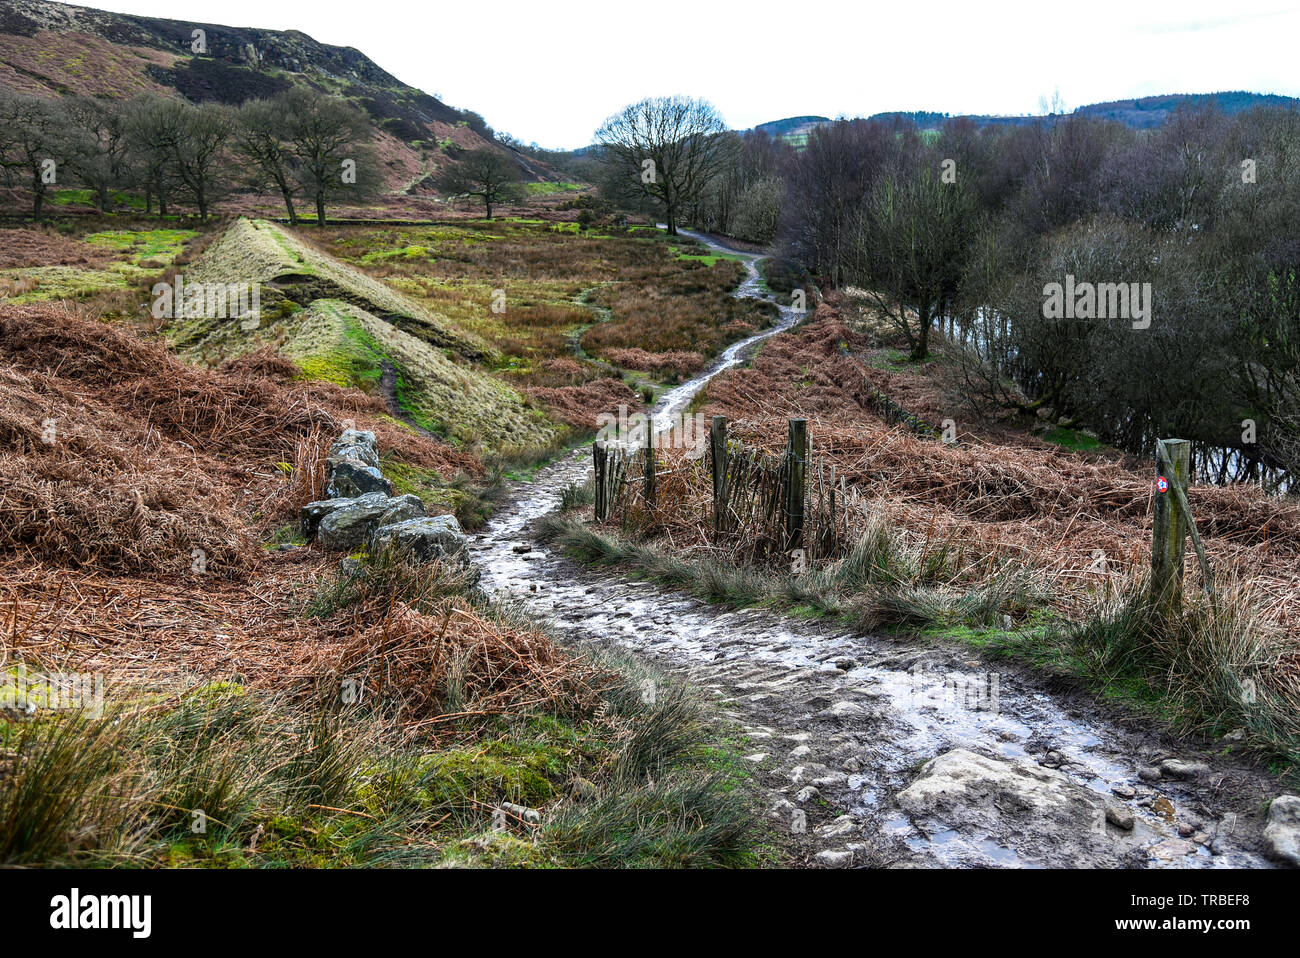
x=881 y=582
x=1219 y=663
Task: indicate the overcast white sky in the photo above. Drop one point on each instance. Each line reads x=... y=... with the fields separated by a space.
x=551 y=72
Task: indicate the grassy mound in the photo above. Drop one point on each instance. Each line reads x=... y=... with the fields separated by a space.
x=341 y=343
x=338 y=342
x=344 y=327
x=255 y=251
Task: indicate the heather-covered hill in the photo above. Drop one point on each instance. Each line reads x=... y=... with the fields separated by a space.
x=54 y=49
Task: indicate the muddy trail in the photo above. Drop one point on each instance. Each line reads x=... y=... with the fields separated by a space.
x=873 y=750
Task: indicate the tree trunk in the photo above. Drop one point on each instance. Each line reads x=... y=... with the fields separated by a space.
x=921 y=349
x=288 y=202
x=488 y=203
x=320 y=209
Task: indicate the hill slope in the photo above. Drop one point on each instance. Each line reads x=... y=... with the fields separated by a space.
x=54 y=49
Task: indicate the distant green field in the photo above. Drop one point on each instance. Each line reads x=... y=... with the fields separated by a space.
x=708 y=259
x=547 y=189
x=87 y=198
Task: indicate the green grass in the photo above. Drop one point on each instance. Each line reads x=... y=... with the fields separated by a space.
x=160 y=246
x=1072 y=439
x=548 y=189
x=64 y=282
x=83 y=197
x=707 y=258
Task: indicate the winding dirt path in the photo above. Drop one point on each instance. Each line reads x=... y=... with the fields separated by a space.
x=840 y=724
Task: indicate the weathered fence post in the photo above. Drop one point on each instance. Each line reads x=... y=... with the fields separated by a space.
x=797 y=455
x=1169 y=530
x=599 y=459
x=718 y=446
x=650 y=462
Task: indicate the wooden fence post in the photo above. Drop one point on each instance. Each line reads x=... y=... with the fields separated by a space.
x=797 y=453
x=1169 y=530
x=599 y=458
x=718 y=446
x=650 y=462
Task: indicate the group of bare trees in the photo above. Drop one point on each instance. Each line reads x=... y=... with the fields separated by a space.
x=957 y=233
x=962 y=233
x=301 y=145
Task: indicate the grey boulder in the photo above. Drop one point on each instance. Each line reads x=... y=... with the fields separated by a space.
x=1038 y=813
x=352 y=477
x=356 y=444
x=313 y=512
x=400 y=509
x=425 y=539
x=346 y=526
x=1283 y=829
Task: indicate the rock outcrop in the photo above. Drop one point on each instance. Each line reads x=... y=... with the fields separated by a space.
x=362 y=511
x=1283 y=829
x=997 y=799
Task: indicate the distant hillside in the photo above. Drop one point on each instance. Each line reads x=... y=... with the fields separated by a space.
x=793 y=129
x=54 y=49
x=1151 y=111
x=1141 y=114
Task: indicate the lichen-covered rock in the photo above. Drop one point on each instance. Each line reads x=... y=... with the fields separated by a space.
x=425 y=540
x=1283 y=829
x=313 y=512
x=346 y=527
x=402 y=508
x=352 y=477
x=356 y=444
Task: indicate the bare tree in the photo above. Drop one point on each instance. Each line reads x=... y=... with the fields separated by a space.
x=667 y=148
x=32 y=141
x=913 y=239
x=151 y=125
x=192 y=145
x=98 y=146
x=486 y=173
x=825 y=188
x=261 y=140
x=329 y=140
